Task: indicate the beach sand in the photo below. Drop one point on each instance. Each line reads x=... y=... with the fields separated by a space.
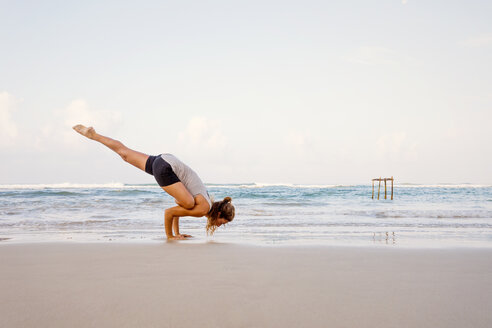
x=224 y=285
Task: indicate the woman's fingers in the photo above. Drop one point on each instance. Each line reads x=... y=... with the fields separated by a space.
x=177 y=237
x=180 y=237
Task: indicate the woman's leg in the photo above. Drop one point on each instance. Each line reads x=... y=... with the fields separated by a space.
x=181 y=195
x=138 y=159
x=133 y=157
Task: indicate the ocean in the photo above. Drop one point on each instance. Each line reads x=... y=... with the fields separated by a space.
x=266 y=214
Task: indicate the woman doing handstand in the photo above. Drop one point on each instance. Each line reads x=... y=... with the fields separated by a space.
x=178 y=180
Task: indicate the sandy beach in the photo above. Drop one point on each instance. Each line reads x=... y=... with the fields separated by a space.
x=225 y=285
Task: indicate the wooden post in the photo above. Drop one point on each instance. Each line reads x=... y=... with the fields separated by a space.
x=384 y=188
x=379 y=187
x=373 y=189
x=391 y=188
x=380 y=179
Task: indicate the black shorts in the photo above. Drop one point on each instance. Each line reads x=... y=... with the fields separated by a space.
x=161 y=170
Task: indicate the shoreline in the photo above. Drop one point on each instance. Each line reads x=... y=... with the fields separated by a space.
x=378 y=244
x=267 y=215
x=227 y=285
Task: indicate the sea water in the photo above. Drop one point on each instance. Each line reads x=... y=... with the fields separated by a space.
x=266 y=214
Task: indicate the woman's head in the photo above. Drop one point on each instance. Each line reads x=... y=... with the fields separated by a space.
x=221 y=213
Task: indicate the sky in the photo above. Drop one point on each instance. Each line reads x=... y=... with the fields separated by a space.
x=304 y=92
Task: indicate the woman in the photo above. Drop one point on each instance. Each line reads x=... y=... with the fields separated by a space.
x=178 y=180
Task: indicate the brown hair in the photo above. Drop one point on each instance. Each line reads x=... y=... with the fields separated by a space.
x=224 y=210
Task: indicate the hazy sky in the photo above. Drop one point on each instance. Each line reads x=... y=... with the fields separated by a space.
x=305 y=91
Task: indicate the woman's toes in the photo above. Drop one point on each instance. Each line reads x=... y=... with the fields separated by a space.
x=85 y=131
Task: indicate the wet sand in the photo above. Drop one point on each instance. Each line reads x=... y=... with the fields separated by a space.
x=224 y=285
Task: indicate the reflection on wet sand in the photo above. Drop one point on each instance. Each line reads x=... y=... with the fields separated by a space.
x=384 y=237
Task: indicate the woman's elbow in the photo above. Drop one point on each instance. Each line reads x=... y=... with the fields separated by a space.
x=168 y=212
x=202 y=211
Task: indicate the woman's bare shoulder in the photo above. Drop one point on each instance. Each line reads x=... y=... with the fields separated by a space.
x=200 y=200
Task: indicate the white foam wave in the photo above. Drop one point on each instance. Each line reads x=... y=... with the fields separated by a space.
x=322 y=186
x=256 y=185
x=463 y=185
x=65 y=185
x=266 y=185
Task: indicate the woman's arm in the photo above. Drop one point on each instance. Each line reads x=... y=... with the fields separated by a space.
x=176 y=228
x=176 y=225
x=174 y=213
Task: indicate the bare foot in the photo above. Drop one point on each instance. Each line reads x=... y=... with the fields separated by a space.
x=88 y=132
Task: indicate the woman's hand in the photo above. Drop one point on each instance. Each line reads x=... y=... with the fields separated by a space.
x=179 y=237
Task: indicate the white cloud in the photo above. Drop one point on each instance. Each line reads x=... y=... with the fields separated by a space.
x=378 y=56
x=396 y=147
x=78 y=112
x=453 y=131
x=59 y=130
x=404 y=2
x=8 y=128
x=298 y=140
x=477 y=41
x=203 y=134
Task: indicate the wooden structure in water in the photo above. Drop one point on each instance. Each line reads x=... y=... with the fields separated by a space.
x=379 y=186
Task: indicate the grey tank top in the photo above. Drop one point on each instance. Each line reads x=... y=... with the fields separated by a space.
x=188 y=177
